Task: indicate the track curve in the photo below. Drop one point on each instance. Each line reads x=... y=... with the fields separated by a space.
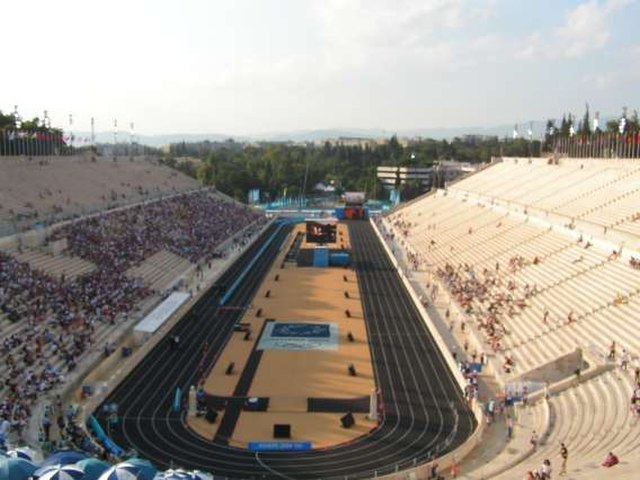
x=425 y=414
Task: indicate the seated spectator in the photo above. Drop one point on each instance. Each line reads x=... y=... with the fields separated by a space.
x=620 y=299
x=544 y=471
x=610 y=460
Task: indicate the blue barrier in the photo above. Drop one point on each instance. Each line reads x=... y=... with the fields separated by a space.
x=102 y=437
x=244 y=273
x=112 y=447
x=177 y=400
x=279 y=446
x=339 y=259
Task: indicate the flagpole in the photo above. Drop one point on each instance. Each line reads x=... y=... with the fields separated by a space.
x=115 y=136
x=93 y=135
x=18 y=124
x=131 y=131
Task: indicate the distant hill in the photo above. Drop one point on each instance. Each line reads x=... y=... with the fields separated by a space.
x=447 y=133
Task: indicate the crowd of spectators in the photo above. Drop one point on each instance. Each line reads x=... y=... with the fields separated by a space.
x=487 y=297
x=58 y=322
x=189 y=225
x=56 y=318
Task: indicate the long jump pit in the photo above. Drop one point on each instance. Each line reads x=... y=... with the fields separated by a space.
x=300 y=358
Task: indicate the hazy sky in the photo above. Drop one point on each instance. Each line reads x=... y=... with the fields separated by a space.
x=254 y=66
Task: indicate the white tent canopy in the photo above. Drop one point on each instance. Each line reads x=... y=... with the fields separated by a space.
x=152 y=322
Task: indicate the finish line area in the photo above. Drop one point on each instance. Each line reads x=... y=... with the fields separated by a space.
x=301 y=351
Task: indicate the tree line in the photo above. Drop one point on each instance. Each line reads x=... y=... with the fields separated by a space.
x=275 y=168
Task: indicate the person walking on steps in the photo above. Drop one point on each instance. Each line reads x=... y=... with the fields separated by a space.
x=564 y=453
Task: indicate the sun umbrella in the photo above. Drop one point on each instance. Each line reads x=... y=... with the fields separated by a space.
x=146 y=469
x=25 y=453
x=59 y=472
x=16 y=469
x=121 y=471
x=64 y=457
x=198 y=475
x=172 y=475
x=92 y=468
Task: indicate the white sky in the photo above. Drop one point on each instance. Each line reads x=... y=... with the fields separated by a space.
x=257 y=66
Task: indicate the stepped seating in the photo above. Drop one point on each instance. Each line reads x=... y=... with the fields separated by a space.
x=590 y=194
x=603 y=193
x=616 y=211
x=160 y=269
x=56 y=266
x=601 y=292
x=591 y=419
x=582 y=180
x=530 y=418
x=569 y=278
x=74 y=185
x=630 y=226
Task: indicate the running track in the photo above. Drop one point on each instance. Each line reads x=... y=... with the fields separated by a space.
x=425 y=414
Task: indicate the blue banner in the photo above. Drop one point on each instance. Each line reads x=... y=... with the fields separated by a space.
x=279 y=446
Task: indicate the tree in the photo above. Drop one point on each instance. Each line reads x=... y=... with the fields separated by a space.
x=585 y=126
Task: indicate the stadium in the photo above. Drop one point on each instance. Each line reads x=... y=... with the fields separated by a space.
x=156 y=325
x=328 y=240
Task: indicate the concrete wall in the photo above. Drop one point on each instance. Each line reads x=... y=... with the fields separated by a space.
x=556 y=370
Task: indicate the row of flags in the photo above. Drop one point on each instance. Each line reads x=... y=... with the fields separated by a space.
x=604 y=138
x=11 y=135
x=7 y=135
x=607 y=145
x=33 y=142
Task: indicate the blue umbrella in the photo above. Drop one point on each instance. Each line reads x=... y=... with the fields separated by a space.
x=64 y=457
x=59 y=472
x=92 y=468
x=16 y=469
x=146 y=469
x=121 y=471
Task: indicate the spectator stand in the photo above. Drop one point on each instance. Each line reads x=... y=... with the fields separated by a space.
x=208 y=277
x=73 y=380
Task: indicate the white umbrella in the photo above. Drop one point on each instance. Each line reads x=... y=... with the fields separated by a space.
x=59 y=472
x=122 y=471
x=198 y=475
x=172 y=475
x=25 y=453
